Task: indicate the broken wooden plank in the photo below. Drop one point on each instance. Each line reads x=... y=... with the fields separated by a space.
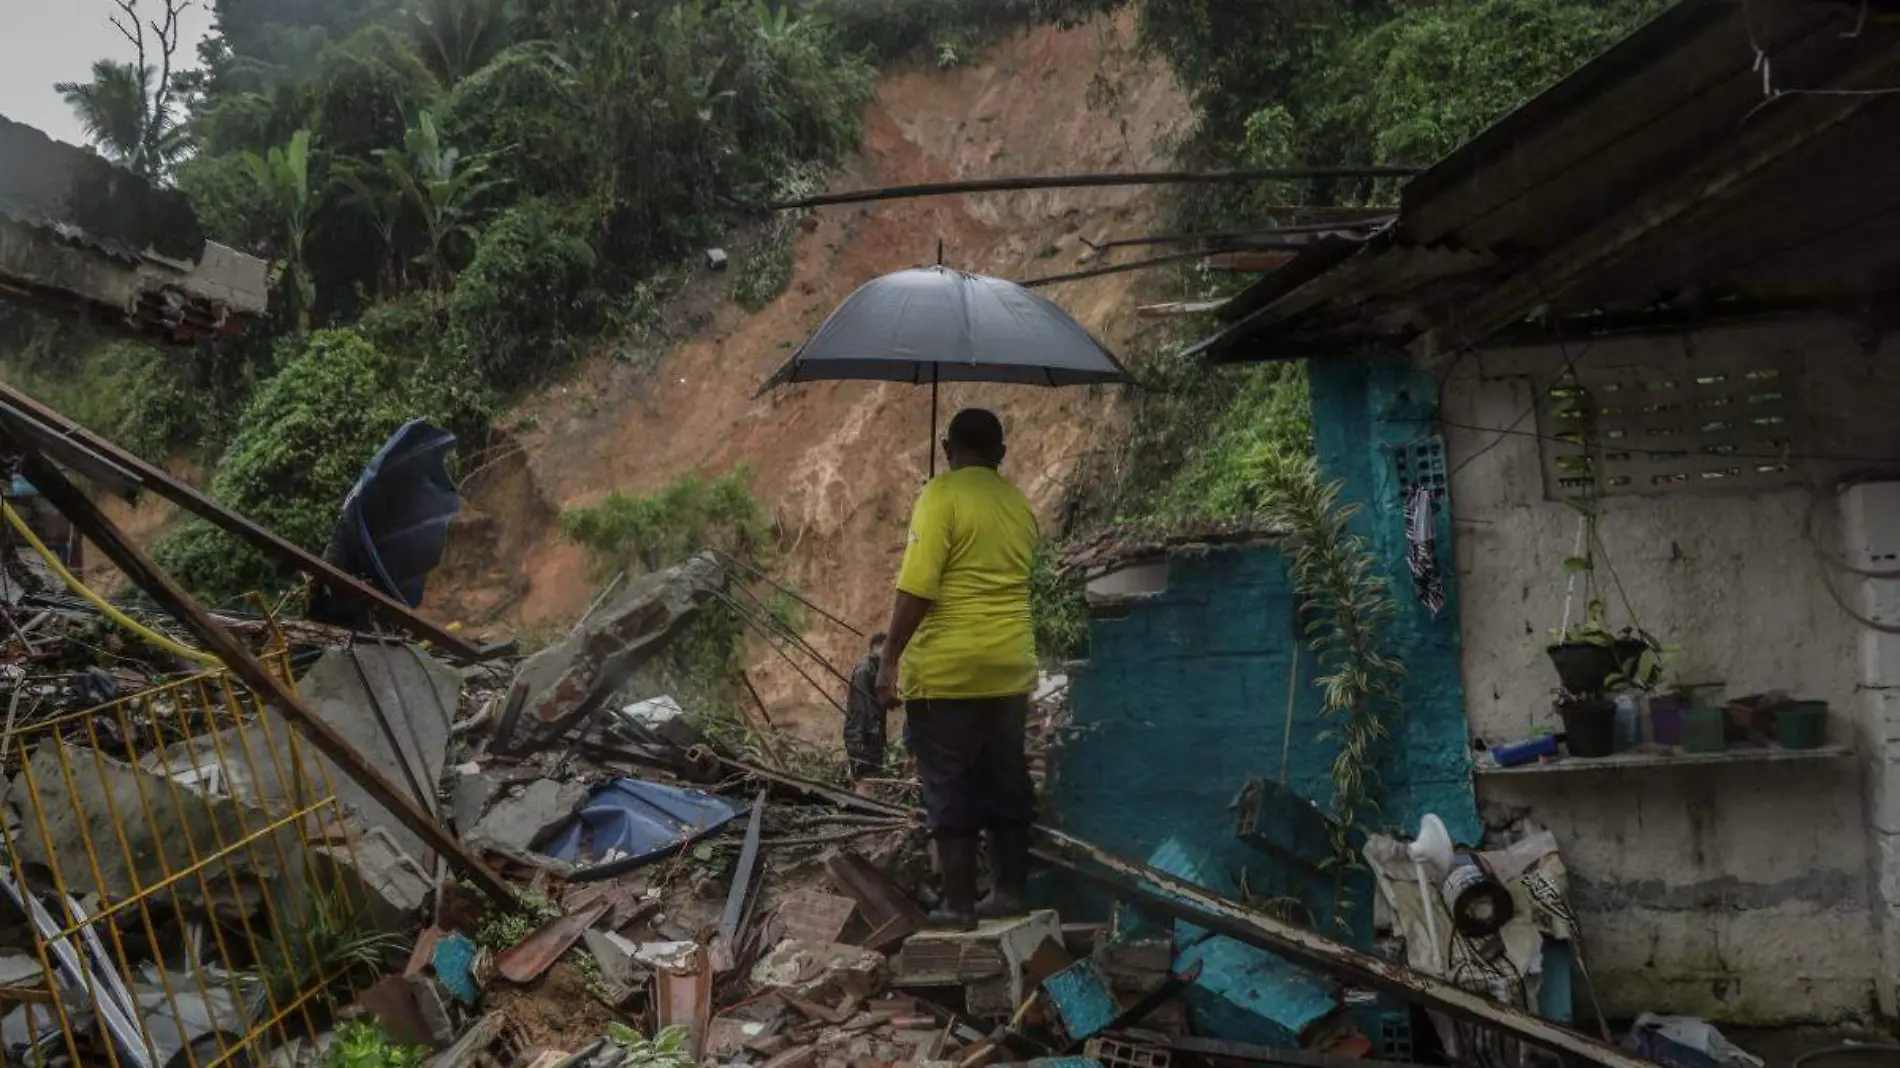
x=1014 y=183
x=1245 y=1051
x=473 y=1043
x=524 y=961
x=741 y=894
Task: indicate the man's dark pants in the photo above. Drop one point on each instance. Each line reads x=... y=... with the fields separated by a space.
x=970 y=759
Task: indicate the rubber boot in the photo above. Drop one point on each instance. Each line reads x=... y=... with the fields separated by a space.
x=956 y=857
x=1009 y=867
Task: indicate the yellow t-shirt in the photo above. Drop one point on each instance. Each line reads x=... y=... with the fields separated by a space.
x=972 y=537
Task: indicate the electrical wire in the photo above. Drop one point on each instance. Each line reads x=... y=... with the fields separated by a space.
x=745 y=616
x=104 y=606
x=758 y=575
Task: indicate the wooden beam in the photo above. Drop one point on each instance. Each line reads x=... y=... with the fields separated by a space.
x=162 y=588
x=1016 y=183
x=1178 y=307
x=161 y=482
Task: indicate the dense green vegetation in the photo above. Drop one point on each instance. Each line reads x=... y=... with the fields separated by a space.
x=460 y=196
x=1320 y=83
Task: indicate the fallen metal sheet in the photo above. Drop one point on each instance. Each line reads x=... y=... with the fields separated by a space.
x=628 y=819
x=524 y=962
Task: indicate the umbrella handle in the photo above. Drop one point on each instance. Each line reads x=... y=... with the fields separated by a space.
x=931 y=445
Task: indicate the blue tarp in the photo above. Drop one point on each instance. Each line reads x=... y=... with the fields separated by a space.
x=633 y=820
x=395 y=522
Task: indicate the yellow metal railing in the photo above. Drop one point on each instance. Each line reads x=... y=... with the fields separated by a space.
x=185 y=874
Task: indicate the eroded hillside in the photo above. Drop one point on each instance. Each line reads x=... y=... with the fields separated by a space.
x=838 y=463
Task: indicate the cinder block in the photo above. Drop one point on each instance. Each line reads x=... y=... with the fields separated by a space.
x=1114 y=1053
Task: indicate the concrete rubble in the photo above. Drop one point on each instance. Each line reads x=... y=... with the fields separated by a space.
x=774 y=921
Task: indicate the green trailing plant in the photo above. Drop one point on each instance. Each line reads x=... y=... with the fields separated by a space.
x=364 y=1044
x=1058 y=608
x=666 y=1049
x=1346 y=610
x=502 y=928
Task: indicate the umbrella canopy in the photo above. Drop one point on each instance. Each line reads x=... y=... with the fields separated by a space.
x=395 y=522
x=936 y=324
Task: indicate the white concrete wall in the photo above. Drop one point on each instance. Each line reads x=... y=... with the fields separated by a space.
x=1739 y=892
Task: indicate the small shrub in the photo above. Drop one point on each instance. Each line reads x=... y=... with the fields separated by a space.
x=518 y=309
x=1060 y=612
x=364 y=1044
x=642 y=534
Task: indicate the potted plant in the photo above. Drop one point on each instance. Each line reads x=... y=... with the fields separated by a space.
x=1585 y=655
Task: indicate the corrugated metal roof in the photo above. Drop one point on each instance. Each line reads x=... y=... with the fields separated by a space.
x=86 y=200
x=1658 y=175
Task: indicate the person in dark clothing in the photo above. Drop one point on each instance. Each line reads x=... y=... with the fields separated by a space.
x=962 y=655
x=864 y=720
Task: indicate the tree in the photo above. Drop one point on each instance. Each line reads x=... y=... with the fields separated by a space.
x=459 y=37
x=284 y=176
x=442 y=185
x=130 y=110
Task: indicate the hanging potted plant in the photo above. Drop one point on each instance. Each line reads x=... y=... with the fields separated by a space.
x=1587 y=654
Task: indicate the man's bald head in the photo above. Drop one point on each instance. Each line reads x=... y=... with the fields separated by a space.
x=974 y=439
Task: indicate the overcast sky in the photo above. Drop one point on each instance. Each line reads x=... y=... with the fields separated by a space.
x=47 y=41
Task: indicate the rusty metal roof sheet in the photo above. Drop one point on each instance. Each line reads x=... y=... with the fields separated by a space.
x=87 y=200
x=1658 y=176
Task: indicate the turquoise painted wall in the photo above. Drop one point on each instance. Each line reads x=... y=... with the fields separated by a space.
x=1186 y=697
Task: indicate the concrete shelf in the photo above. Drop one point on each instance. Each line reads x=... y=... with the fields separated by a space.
x=1654 y=756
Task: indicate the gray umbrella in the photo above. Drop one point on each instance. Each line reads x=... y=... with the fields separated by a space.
x=938 y=324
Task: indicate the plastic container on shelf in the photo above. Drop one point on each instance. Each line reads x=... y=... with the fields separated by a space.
x=1705 y=730
x=1629 y=721
x=1802 y=725
x=1665 y=719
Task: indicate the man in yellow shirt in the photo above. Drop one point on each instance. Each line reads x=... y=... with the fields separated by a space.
x=962 y=653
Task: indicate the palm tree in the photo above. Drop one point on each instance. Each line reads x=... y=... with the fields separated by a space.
x=110 y=107
x=459 y=37
x=443 y=186
x=284 y=176
x=130 y=110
